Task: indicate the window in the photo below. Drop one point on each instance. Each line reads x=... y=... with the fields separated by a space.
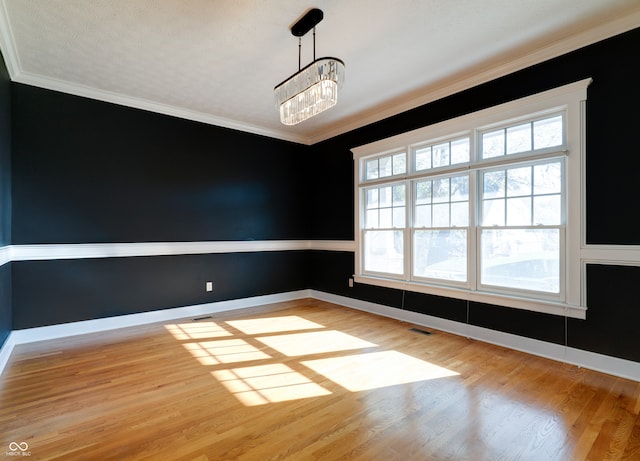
x=384 y=229
x=521 y=227
x=385 y=166
x=485 y=207
x=440 y=230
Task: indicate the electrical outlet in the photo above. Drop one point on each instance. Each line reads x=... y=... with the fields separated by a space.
x=350 y=283
x=209 y=286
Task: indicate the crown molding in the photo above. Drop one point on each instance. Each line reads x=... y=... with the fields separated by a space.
x=469 y=79
x=7 y=44
x=18 y=75
x=151 y=106
x=482 y=74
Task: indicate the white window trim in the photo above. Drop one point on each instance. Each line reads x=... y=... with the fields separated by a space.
x=570 y=98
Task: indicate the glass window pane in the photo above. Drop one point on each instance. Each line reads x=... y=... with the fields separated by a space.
x=493 y=212
x=423 y=159
x=398 y=195
x=547 y=210
x=547 y=132
x=423 y=216
x=493 y=144
x=519 y=211
x=493 y=184
x=460 y=151
x=547 y=178
x=441 y=215
x=519 y=181
x=441 y=155
x=371 y=219
x=460 y=188
x=372 y=169
x=398 y=217
x=527 y=259
x=384 y=167
x=423 y=192
x=372 y=198
x=441 y=190
x=385 y=196
x=383 y=251
x=440 y=254
x=460 y=214
x=519 y=138
x=385 y=218
x=400 y=163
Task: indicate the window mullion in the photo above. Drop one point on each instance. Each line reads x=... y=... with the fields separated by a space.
x=472 y=239
x=408 y=227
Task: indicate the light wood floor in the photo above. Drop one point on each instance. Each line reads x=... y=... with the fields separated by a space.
x=306 y=380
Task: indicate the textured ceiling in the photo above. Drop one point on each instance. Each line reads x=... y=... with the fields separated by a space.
x=217 y=61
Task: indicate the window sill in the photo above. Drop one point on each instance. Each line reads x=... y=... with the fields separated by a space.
x=547 y=307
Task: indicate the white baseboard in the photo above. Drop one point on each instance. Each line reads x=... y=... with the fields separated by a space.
x=29 y=335
x=64 y=330
x=591 y=360
x=5 y=351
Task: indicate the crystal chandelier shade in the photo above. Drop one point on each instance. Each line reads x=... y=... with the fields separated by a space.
x=314 y=88
x=310 y=91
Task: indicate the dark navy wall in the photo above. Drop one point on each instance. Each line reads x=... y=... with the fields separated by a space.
x=6 y=304
x=611 y=182
x=612 y=321
x=89 y=171
x=611 y=137
x=5 y=199
x=84 y=289
x=86 y=171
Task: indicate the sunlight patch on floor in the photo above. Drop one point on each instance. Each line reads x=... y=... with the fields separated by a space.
x=374 y=370
x=271 y=339
x=224 y=351
x=316 y=342
x=264 y=384
x=199 y=330
x=273 y=325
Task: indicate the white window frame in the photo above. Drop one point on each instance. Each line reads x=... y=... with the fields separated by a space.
x=560 y=227
x=411 y=230
x=404 y=229
x=569 y=99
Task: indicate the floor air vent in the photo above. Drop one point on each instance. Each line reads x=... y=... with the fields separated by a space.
x=202 y=318
x=418 y=330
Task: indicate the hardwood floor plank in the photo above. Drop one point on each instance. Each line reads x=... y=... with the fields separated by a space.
x=307 y=380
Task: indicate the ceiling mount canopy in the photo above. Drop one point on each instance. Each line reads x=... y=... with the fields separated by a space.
x=314 y=88
x=307 y=22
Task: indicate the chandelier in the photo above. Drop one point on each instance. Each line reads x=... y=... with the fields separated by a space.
x=314 y=88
